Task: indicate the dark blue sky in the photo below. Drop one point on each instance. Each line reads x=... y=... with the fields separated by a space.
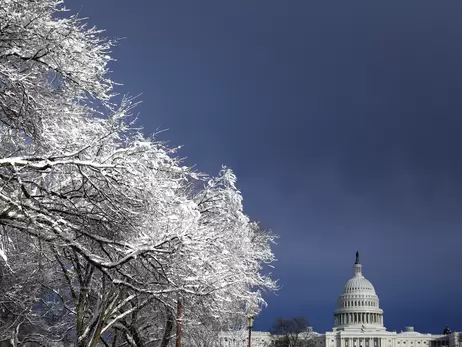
x=342 y=120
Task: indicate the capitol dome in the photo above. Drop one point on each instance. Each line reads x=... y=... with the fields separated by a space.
x=358 y=306
x=358 y=284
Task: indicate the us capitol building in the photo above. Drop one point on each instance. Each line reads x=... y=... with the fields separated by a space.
x=358 y=322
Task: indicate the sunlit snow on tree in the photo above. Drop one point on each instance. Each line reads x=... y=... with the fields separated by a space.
x=103 y=229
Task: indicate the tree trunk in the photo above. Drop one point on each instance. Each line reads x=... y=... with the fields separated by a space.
x=168 y=329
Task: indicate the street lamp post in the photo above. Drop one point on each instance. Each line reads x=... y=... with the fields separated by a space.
x=251 y=319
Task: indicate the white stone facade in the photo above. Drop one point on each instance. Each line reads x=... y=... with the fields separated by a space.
x=241 y=339
x=358 y=322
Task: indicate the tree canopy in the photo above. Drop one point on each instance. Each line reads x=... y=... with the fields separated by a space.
x=102 y=228
x=291 y=332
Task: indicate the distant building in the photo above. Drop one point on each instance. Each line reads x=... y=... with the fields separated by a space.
x=358 y=322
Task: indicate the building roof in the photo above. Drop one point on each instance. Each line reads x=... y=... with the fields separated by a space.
x=359 y=284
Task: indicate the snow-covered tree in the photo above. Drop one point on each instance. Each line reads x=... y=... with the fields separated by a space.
x=102 y=228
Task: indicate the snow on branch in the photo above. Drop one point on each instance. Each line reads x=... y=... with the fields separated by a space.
x=103 y=229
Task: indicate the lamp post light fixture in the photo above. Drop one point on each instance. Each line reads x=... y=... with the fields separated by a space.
x=251 y=319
